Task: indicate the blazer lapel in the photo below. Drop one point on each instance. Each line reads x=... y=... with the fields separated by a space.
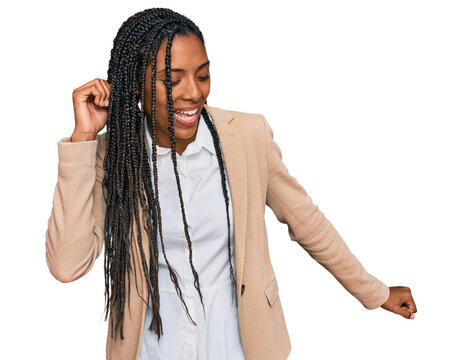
x=232 y=146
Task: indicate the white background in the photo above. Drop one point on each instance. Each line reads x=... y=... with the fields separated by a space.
x=364 y=98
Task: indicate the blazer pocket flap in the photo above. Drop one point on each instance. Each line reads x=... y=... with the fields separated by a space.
x=271 y=290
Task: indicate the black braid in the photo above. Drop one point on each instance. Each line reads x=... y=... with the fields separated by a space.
x=216 y=143
x=127 y=174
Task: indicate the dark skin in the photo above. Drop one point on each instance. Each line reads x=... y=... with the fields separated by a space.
x=400 y=302
x=190 y=87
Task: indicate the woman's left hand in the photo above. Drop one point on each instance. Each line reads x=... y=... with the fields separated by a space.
x=401 y=302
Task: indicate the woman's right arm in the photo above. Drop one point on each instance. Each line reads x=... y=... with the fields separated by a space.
x=75 y=233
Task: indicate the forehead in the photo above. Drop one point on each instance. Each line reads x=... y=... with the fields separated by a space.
x=186 y=51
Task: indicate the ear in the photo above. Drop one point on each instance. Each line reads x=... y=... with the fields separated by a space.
x=137 y=90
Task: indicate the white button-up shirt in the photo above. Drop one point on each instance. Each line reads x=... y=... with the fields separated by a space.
x=217 y=335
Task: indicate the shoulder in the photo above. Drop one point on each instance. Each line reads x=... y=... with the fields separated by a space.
x=246 y=121
x=252 y=128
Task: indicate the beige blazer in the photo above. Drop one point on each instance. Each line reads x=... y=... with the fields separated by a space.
x=257 y=177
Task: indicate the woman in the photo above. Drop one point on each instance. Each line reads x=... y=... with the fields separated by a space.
x=204 y=185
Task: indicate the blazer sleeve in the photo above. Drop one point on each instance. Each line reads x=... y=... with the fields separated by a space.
x=74 y=237
x=308 y=226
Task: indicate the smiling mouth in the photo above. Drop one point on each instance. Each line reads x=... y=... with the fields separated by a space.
x=188 y=117
x=188 y=112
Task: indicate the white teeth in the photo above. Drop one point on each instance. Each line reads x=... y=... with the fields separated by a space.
x=187 y=118
x=189 y=112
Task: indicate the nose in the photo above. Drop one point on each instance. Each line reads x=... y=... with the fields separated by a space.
x=191 y=90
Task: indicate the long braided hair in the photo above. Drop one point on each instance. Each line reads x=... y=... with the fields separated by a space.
x=126 y=166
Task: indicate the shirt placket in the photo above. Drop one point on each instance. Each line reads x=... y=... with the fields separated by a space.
x=189 y=328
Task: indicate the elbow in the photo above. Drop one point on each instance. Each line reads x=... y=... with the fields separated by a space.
x=65 y=274
x=65 y=263
x=58 y=272
x=62 y=278
x=57 y=268
x=63 y=271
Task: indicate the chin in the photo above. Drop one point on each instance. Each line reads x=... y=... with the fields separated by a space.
x=185 y=134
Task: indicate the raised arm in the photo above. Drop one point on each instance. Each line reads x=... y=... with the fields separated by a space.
x=74 y=237
x=308 y=226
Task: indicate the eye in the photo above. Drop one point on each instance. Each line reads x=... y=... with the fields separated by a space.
x=202 y=78
x=173 y=83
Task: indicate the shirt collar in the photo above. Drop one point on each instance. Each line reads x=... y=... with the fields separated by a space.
x=203 y=139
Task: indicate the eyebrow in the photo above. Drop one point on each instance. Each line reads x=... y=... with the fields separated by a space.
x=178 y=70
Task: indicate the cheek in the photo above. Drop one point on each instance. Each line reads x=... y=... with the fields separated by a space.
x=161 y=93
x=205 y=88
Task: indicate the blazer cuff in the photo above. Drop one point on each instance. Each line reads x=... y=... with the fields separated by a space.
x=75 y=155
x=377 y=298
